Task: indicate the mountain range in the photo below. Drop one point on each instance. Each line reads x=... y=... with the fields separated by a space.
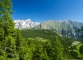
x=67 y=28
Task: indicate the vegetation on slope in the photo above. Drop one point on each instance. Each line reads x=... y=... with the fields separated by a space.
x=49 y=35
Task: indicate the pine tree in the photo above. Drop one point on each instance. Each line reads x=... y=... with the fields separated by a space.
x=9 y=36
x=7 y=28
x=57 y=49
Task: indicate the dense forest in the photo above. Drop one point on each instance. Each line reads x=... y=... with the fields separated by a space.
x=32 y=44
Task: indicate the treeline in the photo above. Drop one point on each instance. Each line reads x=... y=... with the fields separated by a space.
x=32 y=33
x=46 y=34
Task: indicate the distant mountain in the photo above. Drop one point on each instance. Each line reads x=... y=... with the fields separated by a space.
x=67 y=28
x=25 y=24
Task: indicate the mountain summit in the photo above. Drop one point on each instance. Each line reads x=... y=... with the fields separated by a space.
x=22 y=24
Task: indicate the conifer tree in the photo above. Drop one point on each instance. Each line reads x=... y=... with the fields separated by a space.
x=57 y=49
x=8 y=34
x=7 y=28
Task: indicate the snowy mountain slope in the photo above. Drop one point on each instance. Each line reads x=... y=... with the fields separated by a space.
x=21 y=24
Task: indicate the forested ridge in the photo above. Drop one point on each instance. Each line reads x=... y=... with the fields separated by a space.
x=32 y=44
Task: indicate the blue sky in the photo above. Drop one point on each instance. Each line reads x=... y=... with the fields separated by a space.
x=44 y=10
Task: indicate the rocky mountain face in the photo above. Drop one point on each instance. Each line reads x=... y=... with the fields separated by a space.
x=25 y=24
x=67 y=28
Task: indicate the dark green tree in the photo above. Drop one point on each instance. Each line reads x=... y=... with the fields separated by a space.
x=74 y=54
x=9 y=36
x=39 y=53
x=57 y=49
x=7 y=28
x=81 y=49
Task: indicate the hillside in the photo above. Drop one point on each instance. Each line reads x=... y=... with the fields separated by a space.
x=49 y=35
x=46 y=34
x=67 y=28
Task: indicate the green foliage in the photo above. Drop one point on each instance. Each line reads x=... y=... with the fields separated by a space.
x=57 y=49
x=49 y=35
x=45 y=50
x=74 y=54
x=46 y=34
x=8 y=33
x=81 y=49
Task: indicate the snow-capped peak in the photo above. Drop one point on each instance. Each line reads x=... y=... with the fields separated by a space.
x=28 y=23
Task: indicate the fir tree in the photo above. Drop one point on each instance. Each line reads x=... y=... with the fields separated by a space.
x=57 y=49
x=8 y=34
